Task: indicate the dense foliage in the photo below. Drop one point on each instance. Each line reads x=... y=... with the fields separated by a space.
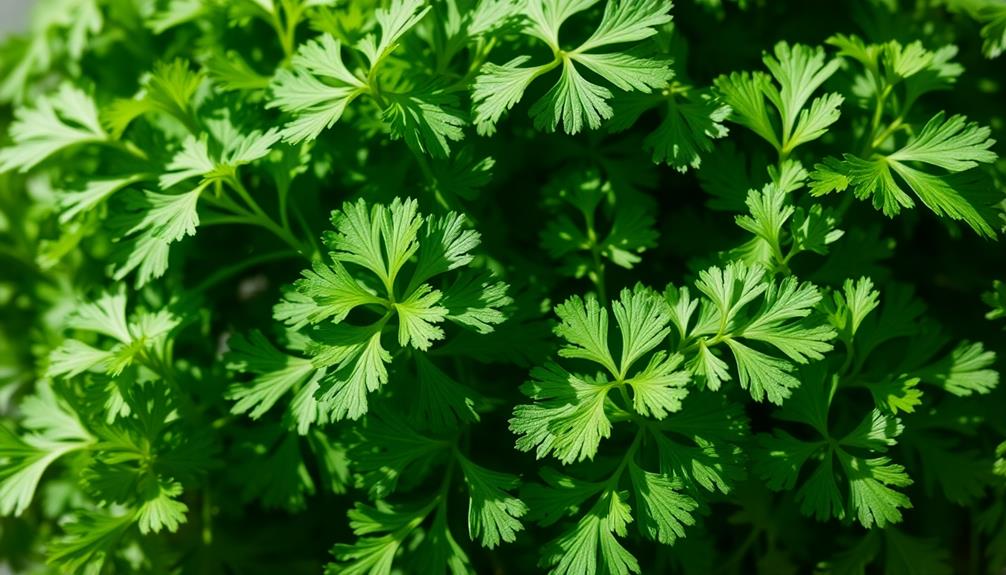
x=503 y=286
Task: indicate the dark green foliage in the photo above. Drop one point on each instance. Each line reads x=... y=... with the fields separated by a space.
x=578 y=287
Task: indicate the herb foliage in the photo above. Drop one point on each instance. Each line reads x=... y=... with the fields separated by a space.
x=503 y=286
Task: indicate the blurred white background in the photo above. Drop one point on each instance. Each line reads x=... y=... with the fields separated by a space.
x=13 y=15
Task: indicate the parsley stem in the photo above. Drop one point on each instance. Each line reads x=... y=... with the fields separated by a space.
x=284 y=32
x=888 y=131
x=878 y=114
x=261 y=218
x=127 y=147
x=228 y=271
x=597 y=274
x=630 y=454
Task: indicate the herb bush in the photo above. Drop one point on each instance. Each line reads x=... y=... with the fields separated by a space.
x=503 y=286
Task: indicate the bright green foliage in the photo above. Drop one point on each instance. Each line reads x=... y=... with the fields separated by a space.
x=371 y=248
x=320 y=86
x=727 y=318
x=798 y=72
x=65 y=120
x=577 y=287
x=52 y=432
x=954 y=145
x=894 y=79
x=782 y=230
x=493 y=514
x=569 y=418
x=574 y=100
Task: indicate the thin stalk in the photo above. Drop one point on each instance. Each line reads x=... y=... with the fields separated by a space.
x=597 y=275
x=612 y=482
x=228 y=271
x=264 y=220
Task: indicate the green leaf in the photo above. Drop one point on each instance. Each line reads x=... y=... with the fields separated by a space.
x=966 y=370
x=591 y=546
x=574 y=101
x=744 y=93
x=625 y=22
x=493 y=514
x=659 y=388
x=382 y=531
x=319 y=87
x=871 y=498
x=160 y=508
x=498 y=88
x=663 y=510
x=66 y=119
x=317 y=91
x=585 y=326
x=53 y=431
x=382 y=260
x=359 y=367
x=567 y=418
x=360 y=234
x=170 y=89
x=328 y=292
x=394 y=22
x=953 y=144
x=275 y=372
x=427 y=122
x=798 y=71
x=95 y=192
x=417 y=316
x=692 y=120
x=89 y=541
x=780 y=322
x=157 y=221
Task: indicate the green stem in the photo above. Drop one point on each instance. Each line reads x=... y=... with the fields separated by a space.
x=264 y=220
x=741 y=551
x=630 y=454
x=890 y=129
x=207 y=514
x=127 y=147
x=597 y=275
x=285 y=39
x=878 y=114
x=228 y=271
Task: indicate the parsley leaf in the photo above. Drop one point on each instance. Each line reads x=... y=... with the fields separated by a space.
x=383 y=259
x=725 y=316
x=575 y=101
x=953 y=144
x=59 y=122
x=568 y=418
x=798 y=72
